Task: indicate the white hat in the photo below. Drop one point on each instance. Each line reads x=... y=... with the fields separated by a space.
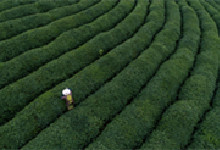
x=66 y=91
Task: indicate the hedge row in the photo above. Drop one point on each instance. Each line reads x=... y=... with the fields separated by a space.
x=85 y=75
x=88 y=80
x=175 y=127
x=54 y=72
x=37 y=7
x=179 y=121
x=24 y=90
x=17 y=26
x=214 y=4
x=213 y=12
x=139 y=118
x=201 y=84
x=85 y=121
x=208 y=135
x=41 y=36
x=191 y=29
x=32 y=60
x=216 y=17
x=177 y=124
x=7 y=4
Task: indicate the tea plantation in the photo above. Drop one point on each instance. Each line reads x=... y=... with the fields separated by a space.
x=144 y=74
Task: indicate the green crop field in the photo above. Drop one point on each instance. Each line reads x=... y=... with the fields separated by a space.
x=144 y=74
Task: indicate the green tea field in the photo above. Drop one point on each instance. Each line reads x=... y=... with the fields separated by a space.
x=144 y=74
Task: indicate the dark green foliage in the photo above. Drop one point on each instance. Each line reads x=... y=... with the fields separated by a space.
x=105 y=103
x=201 y=84
x=16 y=12
x=71 y=39
x=40 y=36
x=214 y=4
x=44 y=6
x=87 y=80
x=19 y=25
x=158 y=93
x=129 y=128
x=107 y=73
x=208 y=134
x=54 y=71
x=217 y=2
x=7 y=4
x=179 y=121
x=217 y=97
x=215 y=14
x=196 y=87
x=37 y=7
x=176 y=126
x=191 y=28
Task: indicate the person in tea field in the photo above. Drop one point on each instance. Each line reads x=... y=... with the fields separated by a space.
x=67 y=95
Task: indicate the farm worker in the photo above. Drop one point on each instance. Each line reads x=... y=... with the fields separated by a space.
x=67 y=94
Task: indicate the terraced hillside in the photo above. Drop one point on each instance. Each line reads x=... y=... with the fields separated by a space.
x=144 y=74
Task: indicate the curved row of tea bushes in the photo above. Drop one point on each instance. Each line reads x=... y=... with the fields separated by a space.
x=182 y=117
x=24 y=90
x=175 y=126
x=88 y=80
x=135 y=123
x=214 y=4
x=37 y=7
x=17 y=26
x=7 y=4
x=206 y=66
x=216 y=17
x=86 y=120
x=31 y=60
x=40 y=36
x=213 y=12
x=207 y=134
x=75 y=57
x=208 y=137
x=179 y=121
